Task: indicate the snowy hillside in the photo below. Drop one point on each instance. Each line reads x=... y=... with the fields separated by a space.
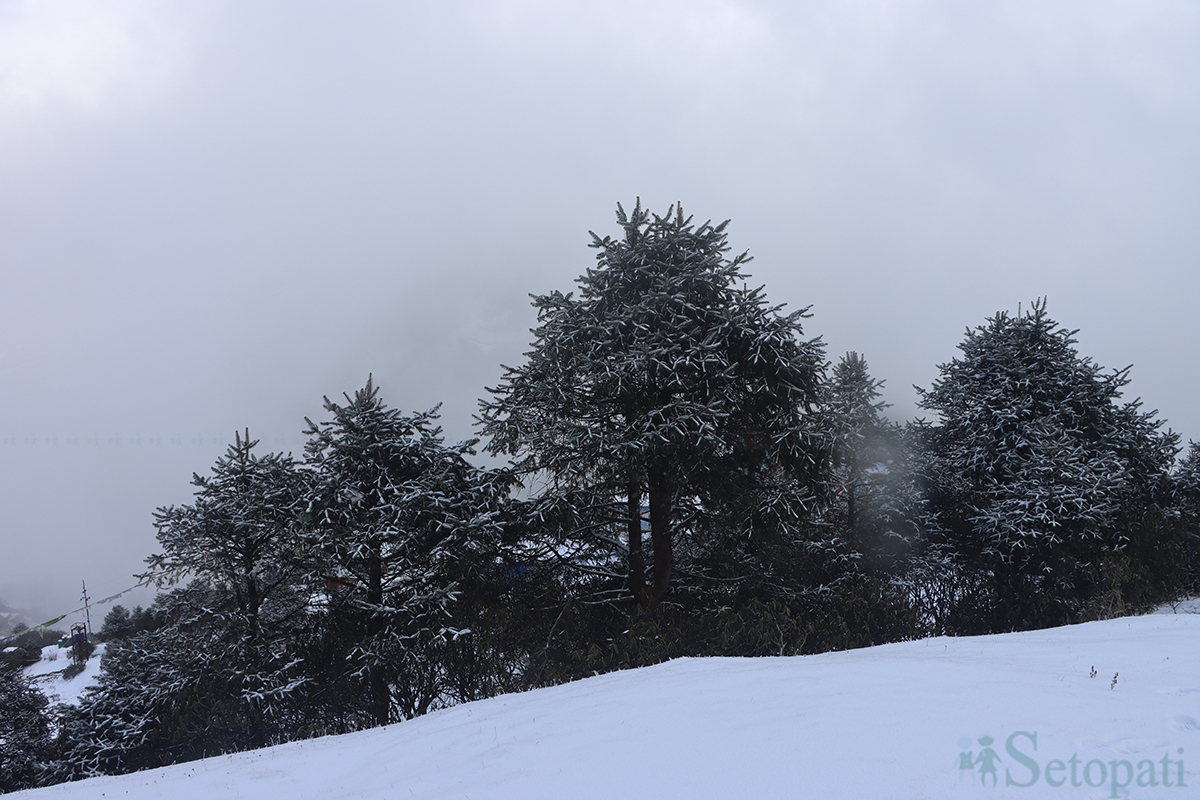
x=48 y=678
x=927 y=719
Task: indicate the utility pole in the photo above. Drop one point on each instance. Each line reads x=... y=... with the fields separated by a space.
x=87 y=609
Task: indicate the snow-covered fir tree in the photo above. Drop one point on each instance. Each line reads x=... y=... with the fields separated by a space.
x=853 y=413
x=1187 y=479
x=121 y=623
x=1033 y=457
x=24 y=730
x=663 y=388
x=241 y=533
x=215 y=666
x=1185 y=558
x=400 y=521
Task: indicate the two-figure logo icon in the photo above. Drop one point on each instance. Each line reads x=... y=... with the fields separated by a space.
x=984 y=762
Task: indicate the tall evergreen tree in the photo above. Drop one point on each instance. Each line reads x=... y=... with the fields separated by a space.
x=241 y=533
x=1033 y=458
x=1178 y=551
x=401 y=522
x=854 y=413
x=662 y=386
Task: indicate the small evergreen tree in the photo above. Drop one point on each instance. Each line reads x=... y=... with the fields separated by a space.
x=1187 y=479
x=121 y=623
x=402 y=523
x=1178 y=552
x=242 y=534
x=213 y=667
x=118 y=624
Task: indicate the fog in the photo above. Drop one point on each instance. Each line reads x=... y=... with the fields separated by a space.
x=212 y=214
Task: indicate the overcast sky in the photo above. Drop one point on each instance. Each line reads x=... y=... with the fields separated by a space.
x=214 y=213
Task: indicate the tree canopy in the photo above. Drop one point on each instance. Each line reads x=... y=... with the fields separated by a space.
x=400 y=520
x=665 y=379
x=1034 y=454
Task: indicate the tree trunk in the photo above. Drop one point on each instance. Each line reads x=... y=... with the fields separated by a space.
x=637 y=556
x=381 y=697
x=662 y=501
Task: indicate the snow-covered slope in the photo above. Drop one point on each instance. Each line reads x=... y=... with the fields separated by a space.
x=47 y=674
x=894 y=721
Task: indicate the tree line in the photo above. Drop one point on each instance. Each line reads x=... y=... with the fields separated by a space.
x=685 y=474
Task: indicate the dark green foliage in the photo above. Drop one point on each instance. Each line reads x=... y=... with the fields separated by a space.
x=76 y=668
x=854 y=412
x=24 y=731
x=121 y=623
x=181 y=692
x=323 y=582
x=664 y=387
x=117 y=624
x=1033 y=463
x=1187 y=479
x=401 y=523
x=81 y=651
x=126 y=722
x=595 y=639
x=241 y=533
x=210 y=668
x=876 y=501
x=1163 y=534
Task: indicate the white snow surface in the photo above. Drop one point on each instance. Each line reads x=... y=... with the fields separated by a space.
x=47 y=674
x=882 y=722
